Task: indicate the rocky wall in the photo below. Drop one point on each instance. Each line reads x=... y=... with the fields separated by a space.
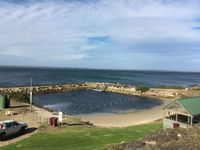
x=110 y=87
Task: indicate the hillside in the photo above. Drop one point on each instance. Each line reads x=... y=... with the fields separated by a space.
x=165 y=139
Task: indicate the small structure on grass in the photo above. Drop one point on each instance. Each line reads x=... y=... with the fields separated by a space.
x=4 y=101
x=182 y=113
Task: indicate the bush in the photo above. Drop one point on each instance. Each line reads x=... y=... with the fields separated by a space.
x=18 y=96
x=170 y=87
x=142 y=88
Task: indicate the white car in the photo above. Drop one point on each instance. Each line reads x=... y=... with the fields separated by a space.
x=11 y=127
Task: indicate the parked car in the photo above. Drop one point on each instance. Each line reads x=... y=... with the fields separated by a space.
x=11 y=127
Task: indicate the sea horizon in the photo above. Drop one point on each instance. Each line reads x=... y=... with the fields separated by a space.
x=21 y=75
x=85 y=68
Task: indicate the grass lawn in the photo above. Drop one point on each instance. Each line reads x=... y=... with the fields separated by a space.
x=82 y=138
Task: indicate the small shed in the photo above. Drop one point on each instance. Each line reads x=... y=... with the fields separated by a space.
x=182 y=113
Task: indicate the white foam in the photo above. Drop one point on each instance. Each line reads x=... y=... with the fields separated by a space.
x=56 y=106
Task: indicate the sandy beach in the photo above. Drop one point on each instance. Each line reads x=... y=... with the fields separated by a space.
x=127 y=118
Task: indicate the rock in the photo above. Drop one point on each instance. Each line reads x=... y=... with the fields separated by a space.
x=179 y=135
x=150 y=142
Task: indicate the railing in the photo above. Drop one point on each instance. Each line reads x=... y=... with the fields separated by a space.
x=168 y=123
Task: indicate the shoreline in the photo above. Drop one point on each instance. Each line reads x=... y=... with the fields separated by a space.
x=163 y=100
x=124 y=119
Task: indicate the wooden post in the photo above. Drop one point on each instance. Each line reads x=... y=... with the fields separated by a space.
x=191 y=119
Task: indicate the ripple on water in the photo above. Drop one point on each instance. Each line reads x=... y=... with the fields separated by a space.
x=88 y=102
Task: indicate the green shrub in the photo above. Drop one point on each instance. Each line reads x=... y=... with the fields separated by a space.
x=142 y=88
x=170 y=87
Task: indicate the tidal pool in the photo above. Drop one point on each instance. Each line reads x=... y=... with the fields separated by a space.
x=90 y=102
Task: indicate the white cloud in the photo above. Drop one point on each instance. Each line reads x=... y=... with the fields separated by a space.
x=13 y=52
x=40 y=30
x=69 y=57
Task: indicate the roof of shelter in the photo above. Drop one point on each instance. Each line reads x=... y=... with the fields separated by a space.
x=192 y=105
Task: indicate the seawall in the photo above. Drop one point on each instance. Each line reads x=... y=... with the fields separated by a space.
x=110 y=87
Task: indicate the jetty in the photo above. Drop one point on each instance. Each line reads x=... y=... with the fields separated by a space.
x=108 y=87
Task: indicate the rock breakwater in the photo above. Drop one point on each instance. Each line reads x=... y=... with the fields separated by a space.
x=109 y=87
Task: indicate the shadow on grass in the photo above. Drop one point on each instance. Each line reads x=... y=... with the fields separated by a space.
x=27 y=131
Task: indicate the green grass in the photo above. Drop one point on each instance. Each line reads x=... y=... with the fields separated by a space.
x=82 y=138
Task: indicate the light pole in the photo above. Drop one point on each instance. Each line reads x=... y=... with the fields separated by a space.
x=31 y=94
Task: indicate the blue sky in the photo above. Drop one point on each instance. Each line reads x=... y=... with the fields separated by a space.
x=116 y=34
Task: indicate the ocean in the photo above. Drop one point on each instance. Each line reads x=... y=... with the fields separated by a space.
x=16 y=76
x=89 y=102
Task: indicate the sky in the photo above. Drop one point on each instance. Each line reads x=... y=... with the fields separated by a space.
x=110 y=34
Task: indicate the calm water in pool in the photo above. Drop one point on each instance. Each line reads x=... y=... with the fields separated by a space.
x=89 y=102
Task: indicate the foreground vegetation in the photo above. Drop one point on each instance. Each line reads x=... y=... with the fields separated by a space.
x=82 y=138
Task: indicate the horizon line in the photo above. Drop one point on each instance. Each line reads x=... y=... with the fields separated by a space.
x=119 y=69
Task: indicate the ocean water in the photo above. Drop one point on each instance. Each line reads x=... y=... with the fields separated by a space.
x=88 y=101
x=15 y=76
